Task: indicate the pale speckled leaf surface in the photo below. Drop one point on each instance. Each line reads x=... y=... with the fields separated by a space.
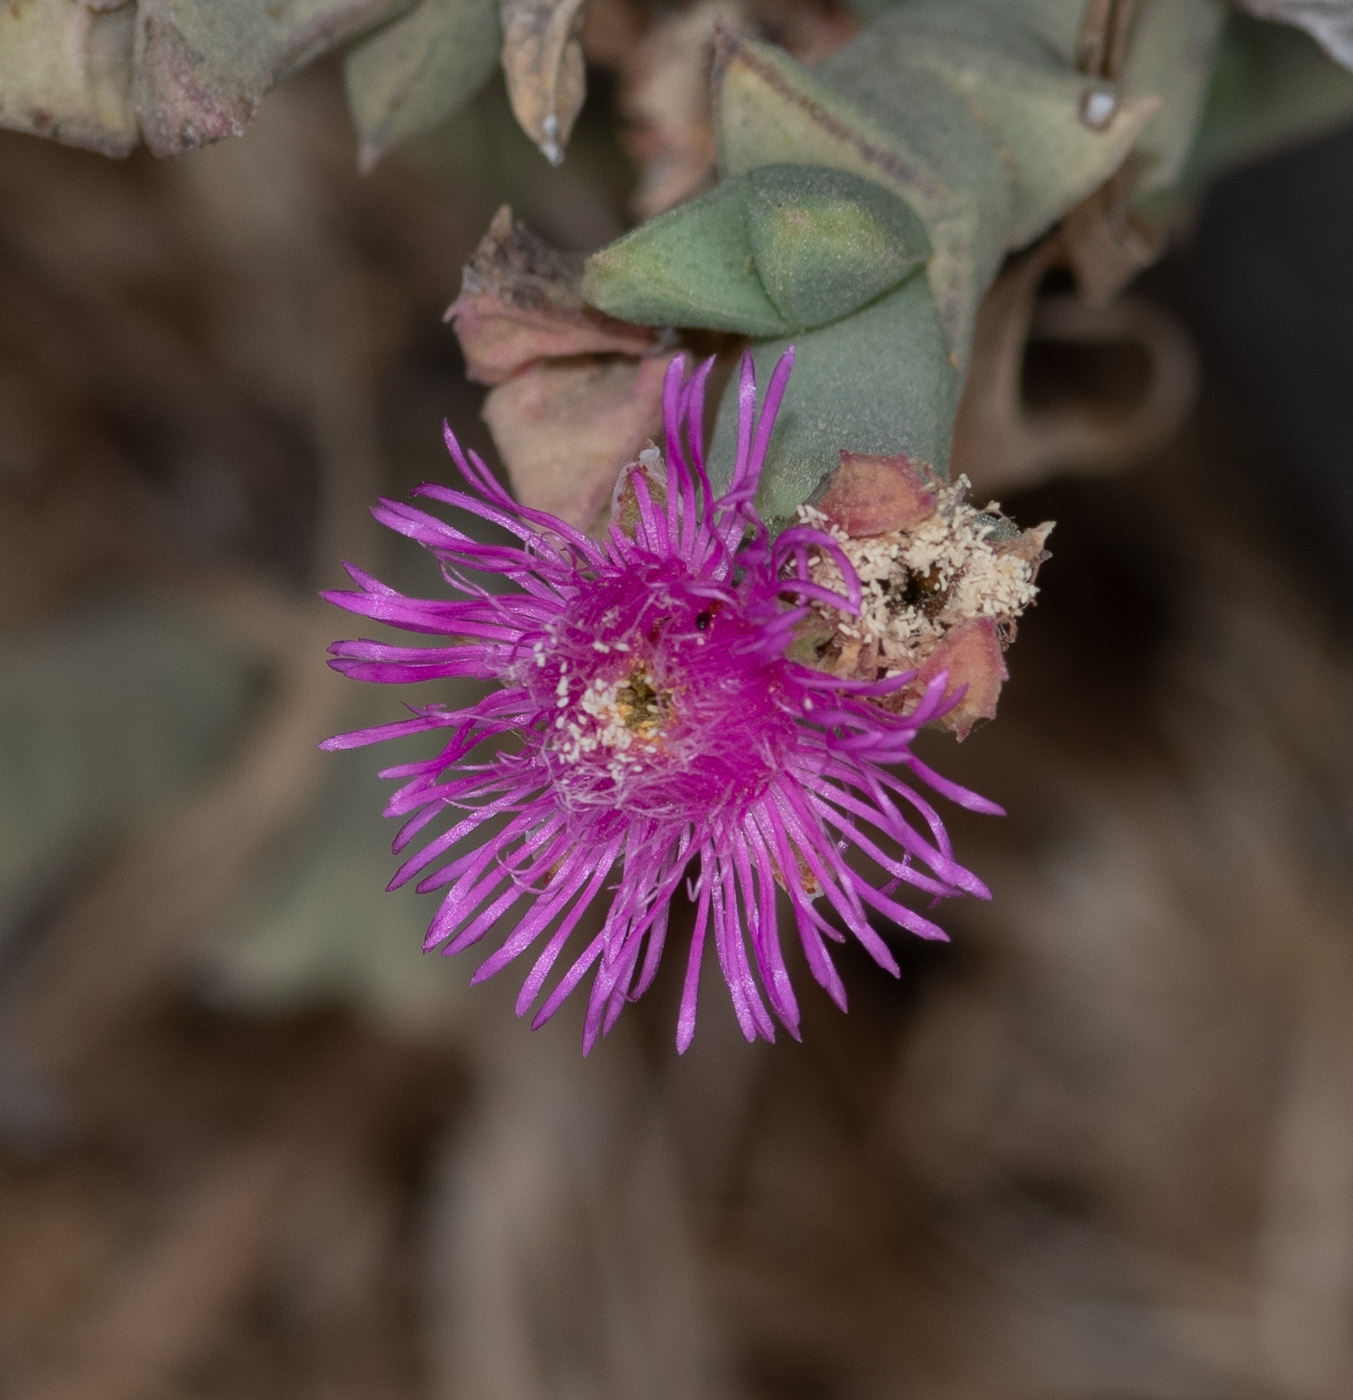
x=773 y=110
x=66 y=72
x=825 y=243
x=1012 y=81
x=691 y=266
x=202 y=66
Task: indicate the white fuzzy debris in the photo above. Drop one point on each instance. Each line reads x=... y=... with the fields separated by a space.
x=918 y=584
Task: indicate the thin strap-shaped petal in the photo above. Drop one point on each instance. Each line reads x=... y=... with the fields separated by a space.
x=690 y=987
x=750 y=472
x=746 y=415
x=963 y=797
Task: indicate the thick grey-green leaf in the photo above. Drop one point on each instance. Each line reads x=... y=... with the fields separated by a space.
x=976 y=114
x=782 y=248
x=1171 y=54
x=1058 y=24
x=877 y=381
x=825 y=242
x=1271 y=86
x=689 y=267
x=1035 y=103
x=103 y=720
x=918 y=139
x=66 y=72
x=421 y=70
x=202 y=66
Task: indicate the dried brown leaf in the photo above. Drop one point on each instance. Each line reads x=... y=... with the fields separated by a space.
x=520 y=301
x=1105 y=245
x=1029 y=545
x=611 y=30
x=808 y=29
x=543 y=63
x=565 y=429
x=666 y=93
x=1002 y=442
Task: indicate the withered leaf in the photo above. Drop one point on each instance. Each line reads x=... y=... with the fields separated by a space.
x=543 y=64
x=1105 y=245
x=520 y=301
x=564 y=429
x=1029 y=545
x=666 y=99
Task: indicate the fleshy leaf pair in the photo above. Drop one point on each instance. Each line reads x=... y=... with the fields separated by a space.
x=781 y=249
x=941 y=137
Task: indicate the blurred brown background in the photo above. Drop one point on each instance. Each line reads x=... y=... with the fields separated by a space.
x=253 y=1144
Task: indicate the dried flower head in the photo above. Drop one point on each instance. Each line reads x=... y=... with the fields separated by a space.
x=942 y=584
x=657 y=726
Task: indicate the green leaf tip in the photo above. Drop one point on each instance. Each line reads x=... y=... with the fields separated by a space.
x=413 y=74
x=689 y=267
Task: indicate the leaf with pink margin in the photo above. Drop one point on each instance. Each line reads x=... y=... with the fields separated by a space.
x=520 y=302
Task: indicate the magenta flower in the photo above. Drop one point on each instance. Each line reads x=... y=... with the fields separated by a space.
x=657 y=726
